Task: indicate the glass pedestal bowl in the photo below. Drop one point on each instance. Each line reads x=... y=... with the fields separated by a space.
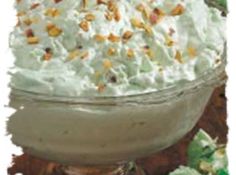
x=101 y=135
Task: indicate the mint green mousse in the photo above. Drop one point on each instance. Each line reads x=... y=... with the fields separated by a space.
x=57 y=53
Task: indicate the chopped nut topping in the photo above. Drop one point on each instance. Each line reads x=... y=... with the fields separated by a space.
x=84 y=55
x=113 y=38
x=108 y=16
x=48 y=50
x=113 y=79
x=101 y=87
x=73 y=54
x=90 y=17
x=21 y=13
x=178 y=10
x=52 y=12
x=33 y=40
x=144 y=10
x=34 y=6
x=53 y=30
x=140 y=7
x=29 y=33
x=146 y=13
x=159 y=12
x=101 y=2
x=76 y=53
x=47 y=56
x=50 y=26
x=127 y=35
x=178 y=56
x=84 y=25
x=153 y=18
x=156 y=16
x=111 y=51
x=130 y=53
x=100 y=38
x=148 y=51
x=169 y=42
x=192 y=52
x=148 y=29
x=111 y=6
x=136 y=23
x=85 y=3
x=27 y=21
x=117 y=15
x=57 y=1
x=107 y=64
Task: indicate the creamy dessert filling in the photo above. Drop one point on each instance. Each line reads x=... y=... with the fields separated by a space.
x=113 y=48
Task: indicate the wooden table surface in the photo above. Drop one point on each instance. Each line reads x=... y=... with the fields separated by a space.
x=213 y=121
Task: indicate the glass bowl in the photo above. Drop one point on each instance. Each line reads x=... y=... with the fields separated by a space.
x=102 y=134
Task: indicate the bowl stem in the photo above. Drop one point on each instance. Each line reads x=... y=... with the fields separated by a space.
x=129 y=168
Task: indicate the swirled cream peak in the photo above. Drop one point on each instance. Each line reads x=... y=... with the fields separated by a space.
x=113 y=48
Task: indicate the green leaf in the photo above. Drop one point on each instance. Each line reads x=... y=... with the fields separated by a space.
x=202 y=147
x=182 y=170
x=222 y=3
x=222 y=172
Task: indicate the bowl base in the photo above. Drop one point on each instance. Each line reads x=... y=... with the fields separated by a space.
x=129 y=168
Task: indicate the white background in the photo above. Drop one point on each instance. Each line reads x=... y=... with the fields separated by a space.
x=7 y=21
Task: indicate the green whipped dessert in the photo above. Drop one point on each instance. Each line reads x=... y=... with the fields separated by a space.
x=113 y=48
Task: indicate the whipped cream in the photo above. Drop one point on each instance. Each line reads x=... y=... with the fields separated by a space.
x=113 y=48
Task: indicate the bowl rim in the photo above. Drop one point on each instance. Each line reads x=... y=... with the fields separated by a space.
x=211 y=78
